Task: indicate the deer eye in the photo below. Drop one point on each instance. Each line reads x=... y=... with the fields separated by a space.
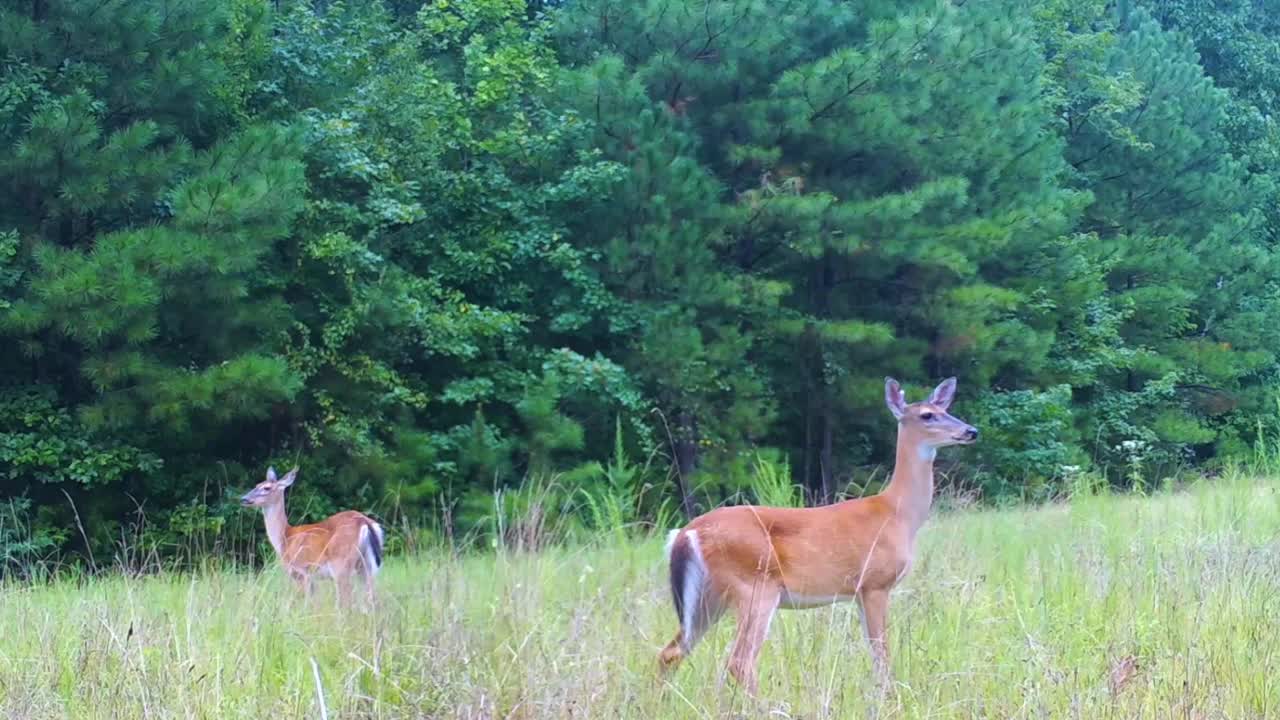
x=926 y=416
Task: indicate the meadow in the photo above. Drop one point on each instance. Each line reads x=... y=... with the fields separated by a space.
x=1160 y=606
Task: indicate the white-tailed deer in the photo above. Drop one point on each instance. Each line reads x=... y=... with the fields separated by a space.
x=753 y=560
x=339 y=546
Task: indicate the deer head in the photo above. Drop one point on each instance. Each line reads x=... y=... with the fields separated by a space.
x=270 y=490
x=927 y=423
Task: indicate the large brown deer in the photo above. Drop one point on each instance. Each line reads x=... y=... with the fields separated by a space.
x=338 y=546
x=753 y=560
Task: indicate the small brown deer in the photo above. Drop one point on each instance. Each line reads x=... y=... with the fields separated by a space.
x=753 y=560
x=339 y=546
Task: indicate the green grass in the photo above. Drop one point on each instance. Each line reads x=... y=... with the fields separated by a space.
x=1018 y=613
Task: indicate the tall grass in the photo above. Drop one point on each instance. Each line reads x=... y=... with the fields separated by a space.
x=1157 y=607
x=772 y=485
x=615 y=500
x=1266 y=447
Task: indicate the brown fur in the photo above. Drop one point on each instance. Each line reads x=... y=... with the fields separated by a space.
x=334 y=540
x=331 y=546
x=761 y=558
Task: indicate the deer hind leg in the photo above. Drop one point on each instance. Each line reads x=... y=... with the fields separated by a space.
x=705 y=615
x=366 y=577
x=755 y=610
x=875 y=612
x=697 y=604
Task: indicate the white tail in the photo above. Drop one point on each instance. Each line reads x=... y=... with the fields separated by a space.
x=371 y=543
x=688 y=587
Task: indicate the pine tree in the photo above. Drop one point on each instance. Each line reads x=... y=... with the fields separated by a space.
x=1178 y=234
x=683 y=330
x=144 y=215
x=1238 y=45
x=447 y=308
x=893 y=175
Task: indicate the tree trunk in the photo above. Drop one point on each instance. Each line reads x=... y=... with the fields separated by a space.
x=686 y=449
x=746 y=250
x=821 y=408
x=806 y=472
x=825 y=464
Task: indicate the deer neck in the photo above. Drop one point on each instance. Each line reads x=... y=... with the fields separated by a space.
x=277 y=525
x=911 y=488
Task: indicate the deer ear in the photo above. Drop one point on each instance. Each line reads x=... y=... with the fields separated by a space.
x=944 y=393
x=894 y=397
x=271 y=474
x=289 y=477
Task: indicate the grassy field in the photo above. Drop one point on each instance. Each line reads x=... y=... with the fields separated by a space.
x=1166 y=606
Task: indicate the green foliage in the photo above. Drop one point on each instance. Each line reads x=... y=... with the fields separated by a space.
x=41 y=441
x=869 y=221
x=1266 y=447
x=429 y=250
x=616 y=502
x=25 y=542
x=437 y=276
x=145 y=209
x=1030 y=447
x=528 y=516
x=772 y=485
x=1178 y=245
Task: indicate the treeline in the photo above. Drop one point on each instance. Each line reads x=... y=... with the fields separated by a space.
x=429 y=250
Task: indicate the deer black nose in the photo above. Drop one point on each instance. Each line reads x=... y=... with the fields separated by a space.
x=971 y=434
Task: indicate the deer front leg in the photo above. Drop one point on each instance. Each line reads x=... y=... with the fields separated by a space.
x=875 y=612
x=303 y=582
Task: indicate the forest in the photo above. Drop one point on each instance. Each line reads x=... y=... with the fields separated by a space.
x=633 y=254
